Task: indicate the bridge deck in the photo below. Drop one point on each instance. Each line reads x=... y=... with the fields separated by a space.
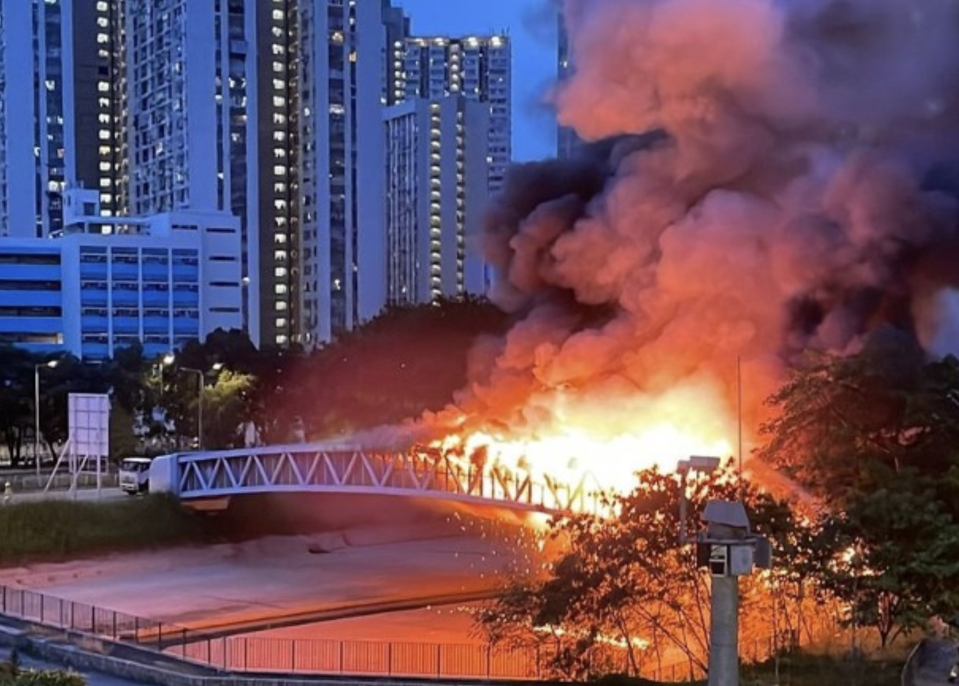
x=345 y=469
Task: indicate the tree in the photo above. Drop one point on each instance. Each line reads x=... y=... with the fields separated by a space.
x=393 y=368
x=839 y=417
x=16 y=398
x=623 y=590
x=875 y=436
x=896 y=555
x=226 y=410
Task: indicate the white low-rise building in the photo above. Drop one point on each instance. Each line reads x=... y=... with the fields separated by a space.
x=108 y=282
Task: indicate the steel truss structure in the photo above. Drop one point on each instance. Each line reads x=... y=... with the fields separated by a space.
x=336 y=469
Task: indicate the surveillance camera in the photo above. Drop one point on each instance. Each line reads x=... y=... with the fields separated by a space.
x=726 y=513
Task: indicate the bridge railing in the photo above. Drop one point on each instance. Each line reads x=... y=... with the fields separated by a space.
x=318 y=467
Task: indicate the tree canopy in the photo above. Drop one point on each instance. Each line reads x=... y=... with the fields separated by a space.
x=875 y=437
x=404 y=362
x=624 y=592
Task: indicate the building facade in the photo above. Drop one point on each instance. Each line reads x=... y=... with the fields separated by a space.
x=476 y=67
x=50 y=131
x=162 y=280
x=436 y=194
x=319 y=88
x=263 y=109
x=187 y=128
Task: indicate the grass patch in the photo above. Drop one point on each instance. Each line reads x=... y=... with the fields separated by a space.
x=804 y=669
x=797 y=669
x=58 y=529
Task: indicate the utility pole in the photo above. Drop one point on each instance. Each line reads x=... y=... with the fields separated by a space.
x=724 y=631
x=729 y=550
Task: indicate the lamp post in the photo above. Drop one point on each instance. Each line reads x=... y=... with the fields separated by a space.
x=165 y=361
x=695 y=463
x=36 y=411
x=199 y=404
x=200 y=385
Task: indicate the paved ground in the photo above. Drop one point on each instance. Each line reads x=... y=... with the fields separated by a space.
x=403 y=559
x=268 y=579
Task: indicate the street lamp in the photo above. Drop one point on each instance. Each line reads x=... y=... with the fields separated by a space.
x=36 y=411
x=200 y=378
x=201 y=384
x=166 y=361
x=695 y=463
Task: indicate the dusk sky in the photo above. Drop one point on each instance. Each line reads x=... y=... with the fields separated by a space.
x=532 y=28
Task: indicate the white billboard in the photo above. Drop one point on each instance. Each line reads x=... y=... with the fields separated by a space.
x=89 y=424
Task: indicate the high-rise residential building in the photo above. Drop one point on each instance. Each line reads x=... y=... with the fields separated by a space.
x=54 y=102
x=320 y=80
x=396 y=26
x=258 y=108
x=476 y=67
x=437 y=188
x=143 y=101
x=185 y=122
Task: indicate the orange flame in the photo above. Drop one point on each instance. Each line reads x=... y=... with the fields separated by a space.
x=603 y=442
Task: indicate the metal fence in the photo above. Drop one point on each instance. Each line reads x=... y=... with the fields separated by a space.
x=264 y=654
x=316 y=656
x=379 y=658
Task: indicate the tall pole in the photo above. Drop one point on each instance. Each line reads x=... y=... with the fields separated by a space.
x=200 y=378
x=724 y=631
x=36 y=419
x=199 y=427
x=739 y=403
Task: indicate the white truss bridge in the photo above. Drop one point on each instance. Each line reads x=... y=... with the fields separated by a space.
x=324 y=468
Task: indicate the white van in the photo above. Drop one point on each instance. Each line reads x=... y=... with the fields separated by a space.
x=135 y=475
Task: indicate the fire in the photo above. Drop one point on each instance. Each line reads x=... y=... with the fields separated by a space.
x=608 y=452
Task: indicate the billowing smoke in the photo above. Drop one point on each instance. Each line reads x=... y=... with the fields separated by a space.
x=765 y=177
